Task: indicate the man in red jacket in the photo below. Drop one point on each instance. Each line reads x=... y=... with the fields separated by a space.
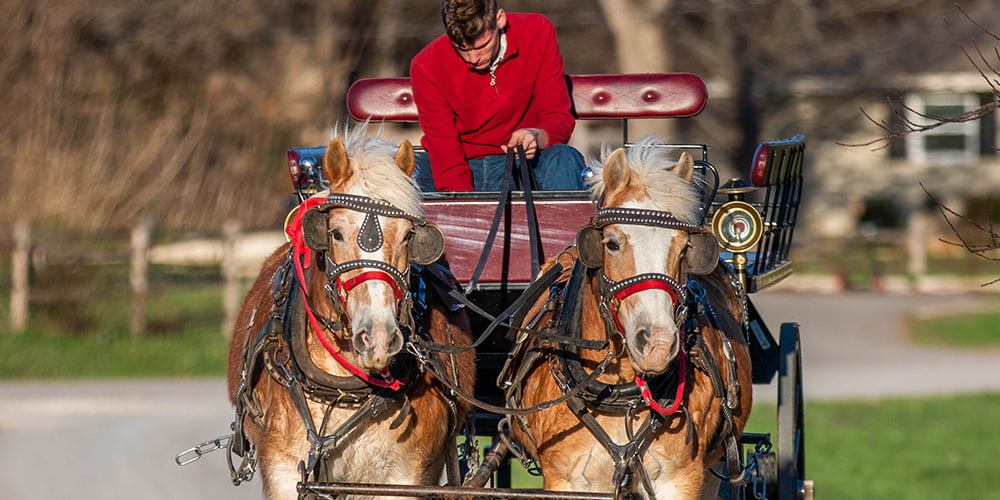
x=495 y=80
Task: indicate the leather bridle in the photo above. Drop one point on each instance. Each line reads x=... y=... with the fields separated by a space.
x=614 y=292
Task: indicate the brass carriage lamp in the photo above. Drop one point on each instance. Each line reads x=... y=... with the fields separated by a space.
x=737 y=225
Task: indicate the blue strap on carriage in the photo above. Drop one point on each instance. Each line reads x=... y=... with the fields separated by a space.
x=698 y=300
x=418 y=288
x=421 y=284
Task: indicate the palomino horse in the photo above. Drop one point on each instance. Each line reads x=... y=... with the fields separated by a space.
x=653 y=385
x=317 y=369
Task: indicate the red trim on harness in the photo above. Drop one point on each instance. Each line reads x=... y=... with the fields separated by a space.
x=647 y=395
x=301 y=254
x=638 y=287
x=647 y=285
x=294 y=232
x=373 y=275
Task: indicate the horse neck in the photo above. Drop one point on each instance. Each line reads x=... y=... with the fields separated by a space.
x=722 y=294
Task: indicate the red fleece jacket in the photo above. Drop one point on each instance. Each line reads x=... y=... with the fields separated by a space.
x=464 y=117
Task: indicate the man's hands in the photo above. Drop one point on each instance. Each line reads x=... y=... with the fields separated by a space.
x=531 y=139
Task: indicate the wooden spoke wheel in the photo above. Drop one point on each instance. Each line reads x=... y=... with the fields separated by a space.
x=791 y=421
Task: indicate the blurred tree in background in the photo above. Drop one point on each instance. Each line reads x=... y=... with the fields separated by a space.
x=182 y=110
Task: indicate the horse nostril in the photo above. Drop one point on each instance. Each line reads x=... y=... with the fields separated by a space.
x=641 y=339
x=396 y=344
x=359 y=341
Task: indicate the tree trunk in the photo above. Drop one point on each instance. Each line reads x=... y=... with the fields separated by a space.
x=640 y=47
x=139 y=275
x=20 y=267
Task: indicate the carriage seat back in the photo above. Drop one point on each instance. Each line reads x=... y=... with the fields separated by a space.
x=595 y=97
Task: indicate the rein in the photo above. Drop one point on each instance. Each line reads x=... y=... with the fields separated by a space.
x=534 y=236
x=647 y=394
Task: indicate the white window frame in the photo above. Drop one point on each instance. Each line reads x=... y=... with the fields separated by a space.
x=916 y=144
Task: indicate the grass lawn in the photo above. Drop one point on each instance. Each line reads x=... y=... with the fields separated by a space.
x=184 y=339
x=900 y=448
x=961 y=330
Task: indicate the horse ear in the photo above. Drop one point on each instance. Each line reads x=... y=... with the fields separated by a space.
x=684 y=167
x=335 y=162
x=702 y=254
x=404 y=158
x=616 y=172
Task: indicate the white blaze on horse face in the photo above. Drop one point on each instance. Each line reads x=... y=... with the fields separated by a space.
x=371 y=305
x=647 y=317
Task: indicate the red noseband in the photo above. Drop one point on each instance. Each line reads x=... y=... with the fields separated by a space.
x=650 y=284
x=373 y=275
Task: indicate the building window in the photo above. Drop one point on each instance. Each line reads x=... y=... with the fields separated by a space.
x=949 y=144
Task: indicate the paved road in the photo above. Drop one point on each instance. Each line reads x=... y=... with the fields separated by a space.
x=854 y=345
x=117 y=440
x=113 y=441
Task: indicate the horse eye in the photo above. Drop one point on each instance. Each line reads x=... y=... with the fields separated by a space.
x=337 y=235
x=611 y=245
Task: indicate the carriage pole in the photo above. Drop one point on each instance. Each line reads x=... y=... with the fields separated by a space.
x=445 y=492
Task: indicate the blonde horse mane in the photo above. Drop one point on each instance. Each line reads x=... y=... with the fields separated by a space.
x=376 y=174
x=650 y=166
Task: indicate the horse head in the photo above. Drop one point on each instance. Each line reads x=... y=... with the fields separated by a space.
x=644 y=241
x=365 y=234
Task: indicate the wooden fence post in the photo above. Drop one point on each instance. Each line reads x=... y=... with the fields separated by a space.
x=139 y=275
x=20 y=266
x=230 y=277
x=916 y=251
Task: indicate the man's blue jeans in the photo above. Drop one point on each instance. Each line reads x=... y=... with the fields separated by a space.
x=557 y=168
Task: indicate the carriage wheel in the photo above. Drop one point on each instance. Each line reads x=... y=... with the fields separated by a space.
x=791 y=422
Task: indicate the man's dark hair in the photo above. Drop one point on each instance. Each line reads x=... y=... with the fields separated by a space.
x=466 y=20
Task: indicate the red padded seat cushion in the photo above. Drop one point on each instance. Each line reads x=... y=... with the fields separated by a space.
x=595 y=97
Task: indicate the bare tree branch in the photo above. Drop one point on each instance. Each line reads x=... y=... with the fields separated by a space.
x=904 y=112
x=977 y=249
x=909 y=126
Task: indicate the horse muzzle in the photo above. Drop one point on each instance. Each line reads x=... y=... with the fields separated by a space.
x=375 y=345
x=652 y=349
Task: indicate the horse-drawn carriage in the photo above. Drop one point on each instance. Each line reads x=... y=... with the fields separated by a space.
x=615 y=342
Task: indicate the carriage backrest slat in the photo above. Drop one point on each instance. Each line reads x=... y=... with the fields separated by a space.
x=777 y=169
x=595 y=97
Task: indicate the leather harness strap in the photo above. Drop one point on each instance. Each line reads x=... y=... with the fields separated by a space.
x=607 y=397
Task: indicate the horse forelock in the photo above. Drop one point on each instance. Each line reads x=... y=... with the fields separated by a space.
x=650 y=180
x=375 y=172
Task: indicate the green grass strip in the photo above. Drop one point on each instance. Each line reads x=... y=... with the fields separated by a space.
x=899 y=448
x=964 y=330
